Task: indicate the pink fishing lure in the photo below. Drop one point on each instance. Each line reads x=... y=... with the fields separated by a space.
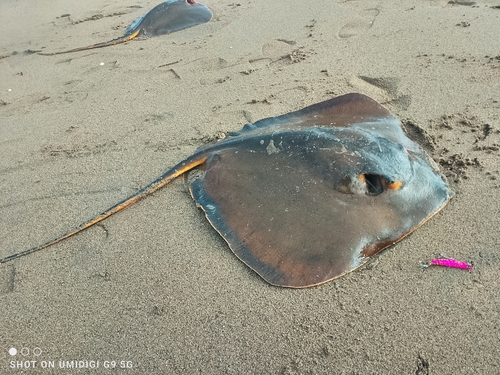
x=449 y=262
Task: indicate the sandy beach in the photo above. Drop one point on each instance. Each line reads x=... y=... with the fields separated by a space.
x=155 y=289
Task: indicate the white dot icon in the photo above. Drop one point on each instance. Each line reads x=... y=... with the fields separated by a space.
x=12 y=351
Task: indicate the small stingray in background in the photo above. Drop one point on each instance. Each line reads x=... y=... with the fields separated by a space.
x=311 y=195
x=165 y=18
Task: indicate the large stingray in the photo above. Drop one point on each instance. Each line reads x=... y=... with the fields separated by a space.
x=165 y=18
x=308 y=196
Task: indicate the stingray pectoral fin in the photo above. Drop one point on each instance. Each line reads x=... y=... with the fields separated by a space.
x=181 y=168
x=119 y=40
x=281 y=220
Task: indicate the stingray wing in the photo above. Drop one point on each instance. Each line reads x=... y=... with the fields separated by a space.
x=353 y=110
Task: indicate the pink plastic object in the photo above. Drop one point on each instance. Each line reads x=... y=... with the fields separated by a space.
x=451 y=263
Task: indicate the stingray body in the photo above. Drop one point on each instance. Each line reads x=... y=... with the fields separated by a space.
x=165 y=18
x=306 y=197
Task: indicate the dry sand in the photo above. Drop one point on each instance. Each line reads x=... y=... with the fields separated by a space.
x=155 y=285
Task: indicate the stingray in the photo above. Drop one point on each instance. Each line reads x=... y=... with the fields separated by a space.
x=165 y=18
x=311 y=195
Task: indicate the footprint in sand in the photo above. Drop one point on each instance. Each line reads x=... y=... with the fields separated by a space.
x=360 y=24
x=213 y=64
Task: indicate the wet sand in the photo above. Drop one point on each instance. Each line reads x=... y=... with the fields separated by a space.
x=155 y=286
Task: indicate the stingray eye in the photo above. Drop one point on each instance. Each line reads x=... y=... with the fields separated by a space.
x=374 y=183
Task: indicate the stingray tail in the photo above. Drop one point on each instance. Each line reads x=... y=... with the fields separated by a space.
x=190 y=163
x=119 y=40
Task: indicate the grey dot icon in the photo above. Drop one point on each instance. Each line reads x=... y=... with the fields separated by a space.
x=25 y=351
x=12 y=351
x=37 y=352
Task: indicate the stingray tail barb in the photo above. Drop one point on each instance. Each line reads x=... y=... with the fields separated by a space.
x=119 y=40
x=181 y=168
